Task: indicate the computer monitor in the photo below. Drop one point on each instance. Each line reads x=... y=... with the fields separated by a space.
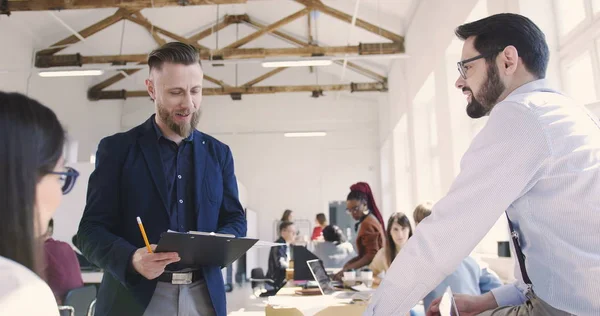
x=301 y=256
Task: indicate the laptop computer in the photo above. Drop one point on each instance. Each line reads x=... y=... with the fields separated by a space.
x=326 y=285
x=447 y=304
x=320 y=274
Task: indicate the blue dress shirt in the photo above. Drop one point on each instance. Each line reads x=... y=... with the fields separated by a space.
x=178 y=166
x=469 y=278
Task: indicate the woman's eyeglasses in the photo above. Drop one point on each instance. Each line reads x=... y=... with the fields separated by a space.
x=350 y=210
x=67 y=178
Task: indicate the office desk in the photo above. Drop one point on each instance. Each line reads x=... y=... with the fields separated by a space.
x=287 y=303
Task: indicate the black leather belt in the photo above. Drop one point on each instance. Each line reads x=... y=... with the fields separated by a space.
x=181 y=277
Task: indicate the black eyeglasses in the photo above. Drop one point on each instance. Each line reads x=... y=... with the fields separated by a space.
x=67 y=178
x=350 y=210
x=461 y=64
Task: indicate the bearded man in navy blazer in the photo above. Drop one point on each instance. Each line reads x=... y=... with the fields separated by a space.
x=171 y=176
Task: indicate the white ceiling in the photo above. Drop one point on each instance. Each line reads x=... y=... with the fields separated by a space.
x=129 y=38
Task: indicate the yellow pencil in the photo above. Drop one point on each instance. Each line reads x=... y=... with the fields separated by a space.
x=144 y=234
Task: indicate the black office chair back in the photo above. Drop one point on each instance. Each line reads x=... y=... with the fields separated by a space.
x=257 y=274
x=81 y=299
x=261 y=286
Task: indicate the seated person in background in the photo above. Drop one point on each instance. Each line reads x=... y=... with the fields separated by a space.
x=321 y=222
x=287 y=216
x=398 y=232
x=370 y=236
x=335 y=250
x=468 y=278
x=279 y=257
x=61 y=268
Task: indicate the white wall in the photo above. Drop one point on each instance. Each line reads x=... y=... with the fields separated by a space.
x=86 y=122
x=426 y=43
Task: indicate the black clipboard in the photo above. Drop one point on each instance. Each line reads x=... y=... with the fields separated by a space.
x=204 y=249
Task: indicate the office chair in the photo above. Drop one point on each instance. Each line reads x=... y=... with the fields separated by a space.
x=79 y=302
x=261 y=286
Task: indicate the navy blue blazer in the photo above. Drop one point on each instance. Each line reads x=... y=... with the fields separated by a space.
x=128 y=182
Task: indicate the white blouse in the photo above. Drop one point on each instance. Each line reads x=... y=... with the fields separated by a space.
x=22 y=292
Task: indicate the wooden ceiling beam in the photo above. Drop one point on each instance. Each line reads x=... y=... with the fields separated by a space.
x=279 y=34
x=362 y=70
x=146 y=24
x=216 y=81
x=353 y=87
x=119 y=76
x=318 y=5
x=227 y=20
x=87 y=32
x=43 y=5
x=269 y=28
x=159 y=40
x=298 y=42
x=47 y=61
x=112 y=80
x=263 y=77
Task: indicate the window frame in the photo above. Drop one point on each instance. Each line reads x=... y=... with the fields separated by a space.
x=584 y=37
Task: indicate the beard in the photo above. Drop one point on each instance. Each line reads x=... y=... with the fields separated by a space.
x=184 y=129
x=489 y=94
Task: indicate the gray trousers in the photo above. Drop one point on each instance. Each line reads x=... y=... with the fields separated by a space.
x=180 y=300
x=533 y=307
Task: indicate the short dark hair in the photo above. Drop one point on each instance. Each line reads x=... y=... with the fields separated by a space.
x=173 y=52
x=32 y=141
x=494 y=33
x=333 y=233
x=284 y=225
x=286 y=216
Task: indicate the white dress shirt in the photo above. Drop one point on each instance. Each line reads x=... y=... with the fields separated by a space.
x=538 y=158
x=22 y=292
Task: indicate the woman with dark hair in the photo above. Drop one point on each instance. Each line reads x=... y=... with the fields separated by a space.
x=32 y=181
x=287 y=216
x=398 y=232
x=360 y=204
x=321 y=222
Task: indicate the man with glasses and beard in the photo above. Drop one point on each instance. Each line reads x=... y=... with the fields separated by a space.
x=173 y=177
x=538 y=160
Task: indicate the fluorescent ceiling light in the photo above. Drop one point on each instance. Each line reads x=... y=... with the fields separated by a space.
x=71 y=73
x=305 y=134
x=297 y=63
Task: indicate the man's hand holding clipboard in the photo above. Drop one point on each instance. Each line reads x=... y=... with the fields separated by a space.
x=148 y=263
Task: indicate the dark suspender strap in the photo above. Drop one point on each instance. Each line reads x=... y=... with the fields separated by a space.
x=520 y=256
